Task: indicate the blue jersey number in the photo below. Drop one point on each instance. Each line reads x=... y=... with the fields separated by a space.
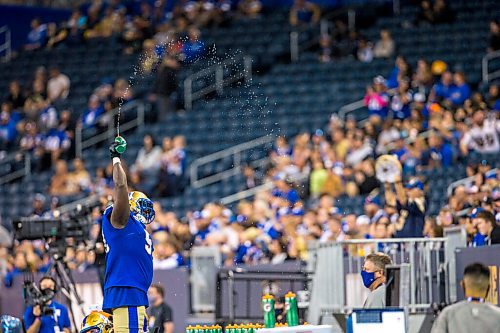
x=148 y=246
x=149 y=243
x=106 y=246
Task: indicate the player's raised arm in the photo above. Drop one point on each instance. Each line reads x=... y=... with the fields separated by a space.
x=121 y=208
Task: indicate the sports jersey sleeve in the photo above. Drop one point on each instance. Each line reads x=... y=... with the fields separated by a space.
x=107 y=214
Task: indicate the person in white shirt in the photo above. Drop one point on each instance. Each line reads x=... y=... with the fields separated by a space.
x=148 y=158
x=58 y=85
x=385 y=47
x=166 y=256
x=482 y=137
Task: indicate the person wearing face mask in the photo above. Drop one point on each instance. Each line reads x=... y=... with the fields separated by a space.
x=373 y=275
x=472 y=314
x=160 y=314
x=57 y=322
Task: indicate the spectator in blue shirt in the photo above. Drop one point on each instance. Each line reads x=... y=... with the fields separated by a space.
x=284 y=190
x=93 y=112
x=400 y=148
x=37 y=37
x=55 y=144
x=400 y=102
x=461 y=92
x=58 y=321
x=400 y=71
x=8 y=132
x=194 y=48
x=493 y=97
x=477 y=239
x=410 y=204
x=440 y=152
x=303 y=13
x=20 y=267
x=443 y=89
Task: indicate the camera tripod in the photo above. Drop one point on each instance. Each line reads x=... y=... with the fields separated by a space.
x=66 y=284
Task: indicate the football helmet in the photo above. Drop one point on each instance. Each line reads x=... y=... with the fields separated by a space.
x=97 y=322
x=142 y=207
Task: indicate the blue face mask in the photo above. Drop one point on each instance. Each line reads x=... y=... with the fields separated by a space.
x=368 y=278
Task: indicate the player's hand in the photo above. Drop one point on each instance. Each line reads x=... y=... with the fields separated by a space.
x=37 y=312
x=112 y=150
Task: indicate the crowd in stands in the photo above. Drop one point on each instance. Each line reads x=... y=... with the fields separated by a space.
x=30 y=121
x=311 y=171
x=430 y=119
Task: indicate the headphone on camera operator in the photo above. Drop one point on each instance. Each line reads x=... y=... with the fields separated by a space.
x=47 y=315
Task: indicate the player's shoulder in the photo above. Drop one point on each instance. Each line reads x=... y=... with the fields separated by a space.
x=107 y=212
x=106 y=218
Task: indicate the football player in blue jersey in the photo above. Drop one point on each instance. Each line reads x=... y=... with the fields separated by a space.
x=129 y=250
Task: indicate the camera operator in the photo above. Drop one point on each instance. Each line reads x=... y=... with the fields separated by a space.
x=472 y=314
x=38 y=322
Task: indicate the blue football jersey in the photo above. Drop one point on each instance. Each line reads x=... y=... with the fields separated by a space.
x=129 y=262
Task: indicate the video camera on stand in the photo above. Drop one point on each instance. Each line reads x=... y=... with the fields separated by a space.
x=73 y=223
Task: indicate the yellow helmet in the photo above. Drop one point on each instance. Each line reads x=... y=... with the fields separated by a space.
x=97 y=322
x=141 y=206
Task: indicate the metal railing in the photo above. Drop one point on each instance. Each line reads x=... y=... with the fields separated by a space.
x=235 y=153
x=487 y=59
x=82 y=143
x=246 y=193
x=239 y=288
x=87 y=201
x=6 y=47
x=432 y=270
x=24 y=171
x=220 y=81
x=463 y=181
x=351 y=107
x=357 y=105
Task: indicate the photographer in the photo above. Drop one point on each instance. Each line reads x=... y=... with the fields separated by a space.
x=50 y=317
